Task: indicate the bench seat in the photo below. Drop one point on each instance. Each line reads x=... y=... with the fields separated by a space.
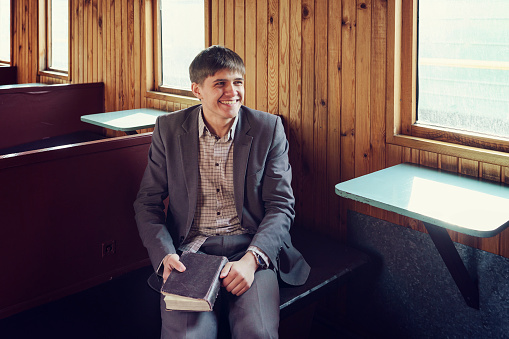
x=130 y=308
x=332 y=263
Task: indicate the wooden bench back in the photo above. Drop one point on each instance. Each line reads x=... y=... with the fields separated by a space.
x=8 y=75
x=33 y=113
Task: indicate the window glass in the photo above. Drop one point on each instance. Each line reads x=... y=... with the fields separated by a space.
x=5 y=31
x=463 y=65
x=182 y=38
x=59 y=43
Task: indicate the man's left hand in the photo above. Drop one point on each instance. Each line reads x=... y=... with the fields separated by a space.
x=238 y=276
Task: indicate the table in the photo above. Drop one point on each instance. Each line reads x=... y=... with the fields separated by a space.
x=441 y=200
x=126 y=121
x=37 y=84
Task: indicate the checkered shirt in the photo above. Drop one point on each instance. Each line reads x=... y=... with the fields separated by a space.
x=215 y=209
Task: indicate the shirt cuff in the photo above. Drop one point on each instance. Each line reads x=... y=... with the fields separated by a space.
x=261 y=254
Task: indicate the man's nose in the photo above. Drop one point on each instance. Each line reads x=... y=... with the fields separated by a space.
x=229 y=88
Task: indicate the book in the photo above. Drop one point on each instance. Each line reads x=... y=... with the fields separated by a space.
x=197 y=287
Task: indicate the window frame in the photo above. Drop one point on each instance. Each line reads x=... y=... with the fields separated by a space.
x=45 y=42
x=402 y=128
x=154 y=83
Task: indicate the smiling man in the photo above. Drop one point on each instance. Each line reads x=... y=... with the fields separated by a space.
x=224 y=169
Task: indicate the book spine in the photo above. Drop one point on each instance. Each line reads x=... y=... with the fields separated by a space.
x=214 y=287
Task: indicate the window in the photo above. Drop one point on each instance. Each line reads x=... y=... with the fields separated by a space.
x=5 y=32
x=463 y=65
x=182 y=36
x=54 y=35
x=450 y=89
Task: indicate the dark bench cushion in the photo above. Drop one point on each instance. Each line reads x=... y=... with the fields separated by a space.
x=332 y=263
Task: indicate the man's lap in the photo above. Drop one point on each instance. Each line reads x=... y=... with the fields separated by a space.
x=253 y=314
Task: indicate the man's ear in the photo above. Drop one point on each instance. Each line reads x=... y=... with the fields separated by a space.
x=195 y=88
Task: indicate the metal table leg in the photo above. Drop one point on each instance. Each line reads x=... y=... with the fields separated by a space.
x=443 y=243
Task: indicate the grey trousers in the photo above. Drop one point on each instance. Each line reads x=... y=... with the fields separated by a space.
x=254 y=314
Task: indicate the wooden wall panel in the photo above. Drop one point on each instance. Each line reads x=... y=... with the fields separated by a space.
x=319 y=167
x=295 y=100
x=333 y=125
x=306 y=122
x=320 y=64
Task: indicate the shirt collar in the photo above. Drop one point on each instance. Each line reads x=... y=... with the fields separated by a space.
x=202 y=128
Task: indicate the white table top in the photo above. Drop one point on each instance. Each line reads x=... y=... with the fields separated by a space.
x=126 y=121
x=464 y=204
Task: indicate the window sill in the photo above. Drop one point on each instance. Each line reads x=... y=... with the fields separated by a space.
x=441 y=147
x=172 y=97
x=55 y=74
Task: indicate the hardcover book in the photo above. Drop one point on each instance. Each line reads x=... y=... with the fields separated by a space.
x=197 y=287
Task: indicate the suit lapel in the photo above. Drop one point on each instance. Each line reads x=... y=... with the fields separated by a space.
x=189 y=152
x=241 y=149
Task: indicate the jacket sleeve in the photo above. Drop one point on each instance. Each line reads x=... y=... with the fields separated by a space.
x=149 y=205
x=277 y=197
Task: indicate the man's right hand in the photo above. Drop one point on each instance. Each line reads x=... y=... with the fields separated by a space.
x=171 y=262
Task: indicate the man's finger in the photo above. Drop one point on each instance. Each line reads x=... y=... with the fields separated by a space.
x=225 y=270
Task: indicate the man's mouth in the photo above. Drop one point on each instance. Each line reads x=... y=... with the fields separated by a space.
x=228 y=102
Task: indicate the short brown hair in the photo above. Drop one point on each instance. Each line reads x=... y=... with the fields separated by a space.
x=213 y=59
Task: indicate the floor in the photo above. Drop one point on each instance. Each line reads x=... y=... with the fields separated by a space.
x=122 y=308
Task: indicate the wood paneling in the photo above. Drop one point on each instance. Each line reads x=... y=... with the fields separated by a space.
x=324 y=66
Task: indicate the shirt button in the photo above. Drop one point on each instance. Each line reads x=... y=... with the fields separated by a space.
x=217 y=190
x=218 y=213
x=217 y=164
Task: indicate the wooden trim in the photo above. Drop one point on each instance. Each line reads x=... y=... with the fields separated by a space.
x=461 y=137
x=49 y=43
x=250 y=53
x=158 y=69
x=460 y=151
x=208 y=22
x=172 y=97
x=70 y=41
x=54 y=74
x=176 y=91
x=408 y=71
x=43 y=26
x=261 y=54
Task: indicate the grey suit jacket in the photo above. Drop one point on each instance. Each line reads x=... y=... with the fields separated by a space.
x=262 y=187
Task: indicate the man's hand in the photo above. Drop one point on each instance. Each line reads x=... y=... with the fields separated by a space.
x=238 y=276
x=171 y=262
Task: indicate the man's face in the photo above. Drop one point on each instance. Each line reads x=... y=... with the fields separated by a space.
x=221 y=96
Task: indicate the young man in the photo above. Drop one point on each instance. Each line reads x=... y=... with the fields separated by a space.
x=224 y=169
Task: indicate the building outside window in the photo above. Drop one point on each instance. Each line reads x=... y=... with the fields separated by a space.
x=463 y=65
x=5 y=32
x=57 y=58
x=182 y=25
